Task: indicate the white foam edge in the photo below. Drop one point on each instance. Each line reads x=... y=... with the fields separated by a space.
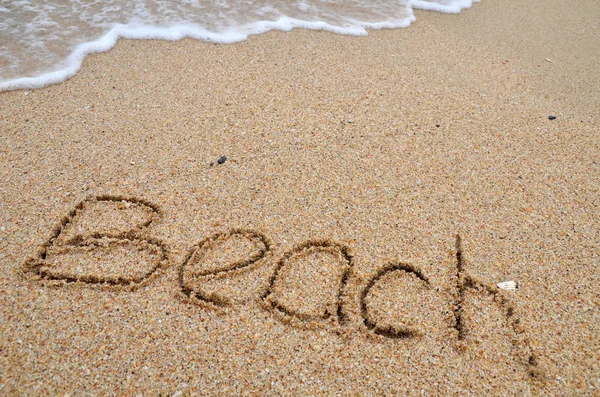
x=454 y=7
x=177 y=32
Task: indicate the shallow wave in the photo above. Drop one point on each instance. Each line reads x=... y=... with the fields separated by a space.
x=46 y=41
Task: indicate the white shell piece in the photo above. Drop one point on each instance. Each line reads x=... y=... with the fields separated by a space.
x=508 y=285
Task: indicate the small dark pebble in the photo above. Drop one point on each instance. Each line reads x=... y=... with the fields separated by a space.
x=437 y=125
x=222 y=159
x=211 y=164
x=551 y=117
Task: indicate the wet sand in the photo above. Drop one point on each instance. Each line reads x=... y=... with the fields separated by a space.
x=321 y=257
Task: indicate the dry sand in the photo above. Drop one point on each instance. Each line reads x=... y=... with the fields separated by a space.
x=321 y=257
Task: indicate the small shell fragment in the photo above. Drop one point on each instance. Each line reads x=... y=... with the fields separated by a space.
x=508 y=285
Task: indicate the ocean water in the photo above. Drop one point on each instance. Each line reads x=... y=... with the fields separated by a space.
x=44 y=42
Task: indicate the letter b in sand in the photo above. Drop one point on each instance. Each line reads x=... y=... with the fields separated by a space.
x=104 y=240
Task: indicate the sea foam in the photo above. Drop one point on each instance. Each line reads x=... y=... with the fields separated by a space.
x=44 y=42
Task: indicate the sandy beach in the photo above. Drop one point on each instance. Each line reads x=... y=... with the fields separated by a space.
x=305 y=213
